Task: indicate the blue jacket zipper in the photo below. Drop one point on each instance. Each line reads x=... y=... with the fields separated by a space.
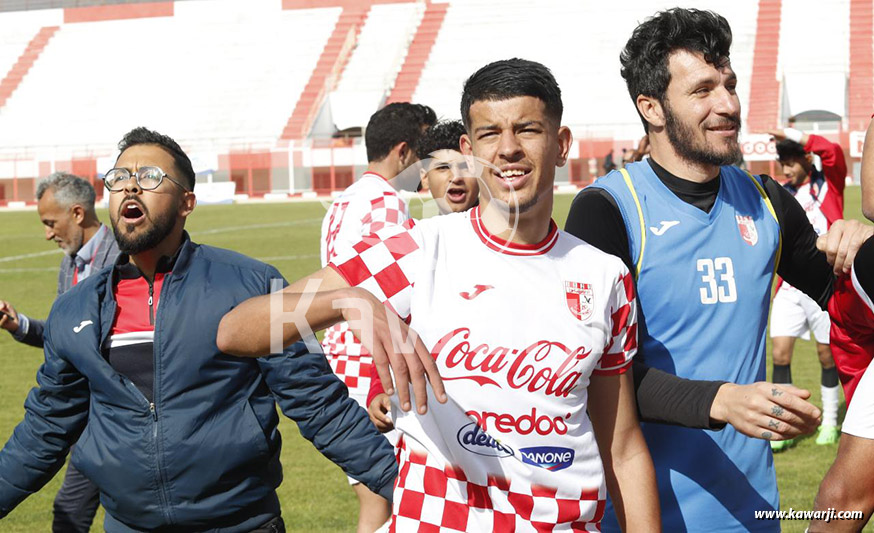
x=159 y=450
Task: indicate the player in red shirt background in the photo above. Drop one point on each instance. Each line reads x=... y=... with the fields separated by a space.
x=821 y=194
x=849 y=483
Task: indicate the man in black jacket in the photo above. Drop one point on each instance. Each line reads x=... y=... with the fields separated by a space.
x=175 y=434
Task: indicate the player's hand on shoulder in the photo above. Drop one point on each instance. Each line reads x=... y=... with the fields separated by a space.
x=842 y=242
x=379 y=410
x=766 y=410
x=8 y=317
x=393 y=344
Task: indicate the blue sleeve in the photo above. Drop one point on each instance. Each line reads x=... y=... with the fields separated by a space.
x=309 y=393
x=56 y=412
x=33 y=336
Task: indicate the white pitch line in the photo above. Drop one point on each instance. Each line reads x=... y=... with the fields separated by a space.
x=28 y=256
x=229 y=229
x=19 y=270
x=286 y=257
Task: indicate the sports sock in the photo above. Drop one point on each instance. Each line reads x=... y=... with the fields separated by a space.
x=782 y=374
x=830 y=396
x=830 y=377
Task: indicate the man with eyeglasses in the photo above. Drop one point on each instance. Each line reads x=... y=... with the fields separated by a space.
x=65 y=204
x=175 y=434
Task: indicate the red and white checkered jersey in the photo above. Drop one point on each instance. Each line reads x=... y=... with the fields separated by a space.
x=366 y=206
x=516 y=331
x=852 y=314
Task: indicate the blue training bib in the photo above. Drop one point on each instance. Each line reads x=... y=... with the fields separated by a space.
x=703 y=282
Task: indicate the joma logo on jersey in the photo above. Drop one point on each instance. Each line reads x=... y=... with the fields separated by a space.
x=473 y=439
x=580 y=299
x=551 y=458
x=747 y=228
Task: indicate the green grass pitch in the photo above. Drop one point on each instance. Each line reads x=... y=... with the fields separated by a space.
x=314 y=495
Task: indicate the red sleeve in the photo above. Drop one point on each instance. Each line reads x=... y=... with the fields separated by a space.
x=622 y=346
x=834 y=166
x=375 y=385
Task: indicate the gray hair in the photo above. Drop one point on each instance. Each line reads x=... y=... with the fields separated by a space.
x=68 y=189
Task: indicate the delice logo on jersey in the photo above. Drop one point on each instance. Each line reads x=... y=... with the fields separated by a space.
x=580 y=299
x=544 y=365
x=473 y=439
x=552 y=458
x=747 y=228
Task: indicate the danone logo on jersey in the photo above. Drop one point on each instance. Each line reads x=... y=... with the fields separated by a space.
x=532 y=368
x=473 y=439
x=552 y=458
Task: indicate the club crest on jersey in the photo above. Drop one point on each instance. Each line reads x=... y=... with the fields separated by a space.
x=747 y=228
x=580 y=299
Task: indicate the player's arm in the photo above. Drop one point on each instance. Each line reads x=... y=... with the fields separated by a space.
x=868 y=173
x=378 y=403
x=848 y=486
x=627 y=464
x=266 y=324
x=56 y=412
x=23 y=328
x=296 y=311
x=834 y=165
x=310 y=394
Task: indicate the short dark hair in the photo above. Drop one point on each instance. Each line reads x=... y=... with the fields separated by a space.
x=444 y=135
x=396 y=123
x=645 y=56
x=509 y=78
x=789 y=150
x=143 y=135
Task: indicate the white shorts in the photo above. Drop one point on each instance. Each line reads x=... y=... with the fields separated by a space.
x=392 y=435
x=859 y=421
x=795 y=314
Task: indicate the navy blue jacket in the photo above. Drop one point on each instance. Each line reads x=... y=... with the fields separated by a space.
x=205 y=455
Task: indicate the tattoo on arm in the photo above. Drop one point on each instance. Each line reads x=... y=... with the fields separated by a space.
x=776 y=410
x=776 y=392
x=773 y=424
x=766 y=435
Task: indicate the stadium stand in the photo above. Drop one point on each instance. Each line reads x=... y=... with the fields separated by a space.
x=216 y=74
x=763 y=109
x=376 y=61
x=330 y=65
x=420 y=49
x=24 y=36
x=861 y=78
x=254 y=88
x=814 y=70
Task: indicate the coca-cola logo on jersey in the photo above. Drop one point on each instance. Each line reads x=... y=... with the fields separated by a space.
x=532 y=368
